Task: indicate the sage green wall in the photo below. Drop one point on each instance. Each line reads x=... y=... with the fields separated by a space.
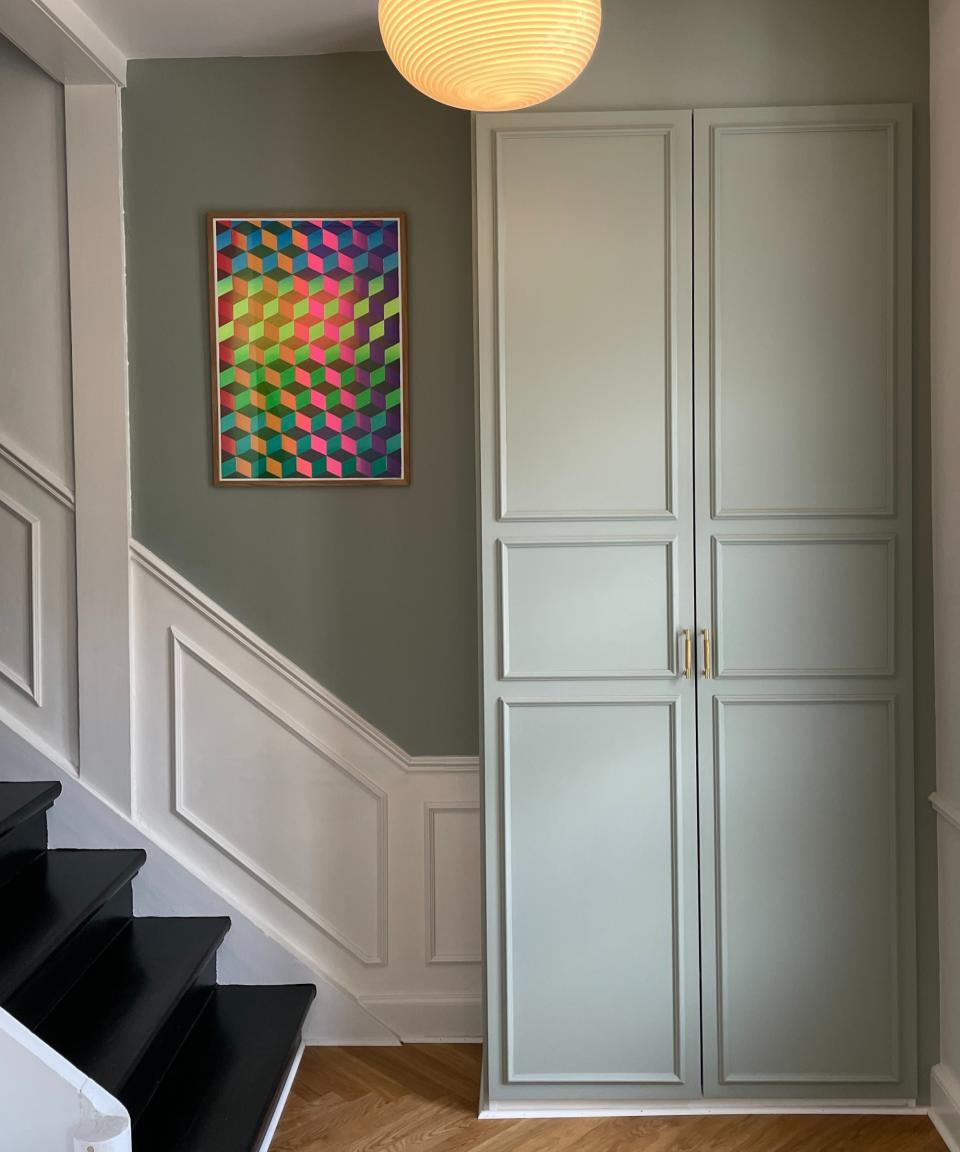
x=372 y=591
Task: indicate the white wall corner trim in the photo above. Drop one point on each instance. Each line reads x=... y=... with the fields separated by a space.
x=182 y=644
x=40 y=474
x=945 y=1105
x=63 y=40
x=152 y=563
x=101 y=435
x=30 y=679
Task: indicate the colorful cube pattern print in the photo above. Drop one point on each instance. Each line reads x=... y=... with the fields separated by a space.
x=309 y=357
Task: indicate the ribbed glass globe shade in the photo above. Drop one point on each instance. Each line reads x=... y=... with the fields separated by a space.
x=490 y=55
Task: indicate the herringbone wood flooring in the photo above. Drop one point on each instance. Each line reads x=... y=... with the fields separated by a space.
x=423 y=1098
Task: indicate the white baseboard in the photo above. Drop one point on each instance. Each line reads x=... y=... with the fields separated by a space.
x=422 y=1019
x=945 y=1105
x=281 y=1101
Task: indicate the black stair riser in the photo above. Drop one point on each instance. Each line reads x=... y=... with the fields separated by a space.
x=222 y=1090
x=51 y=900
x=140 y=1088
x=22 y=844
x=20 y=801
x=36 y=999
x=108 y=1023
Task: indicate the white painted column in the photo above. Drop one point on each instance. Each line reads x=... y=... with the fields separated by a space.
x=945 y=400
x=101 y=436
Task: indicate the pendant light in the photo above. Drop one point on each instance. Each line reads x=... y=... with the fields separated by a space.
x=490 y=55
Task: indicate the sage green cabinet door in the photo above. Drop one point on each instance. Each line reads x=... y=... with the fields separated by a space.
x=803 y=542
x=590 y=796
x=584 y=241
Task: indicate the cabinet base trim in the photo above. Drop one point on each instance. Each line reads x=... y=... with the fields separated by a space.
x=558 y=1110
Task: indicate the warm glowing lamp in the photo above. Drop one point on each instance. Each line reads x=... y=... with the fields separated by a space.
x=490 y=55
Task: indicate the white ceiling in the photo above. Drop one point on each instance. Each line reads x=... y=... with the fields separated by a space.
x=168 y=28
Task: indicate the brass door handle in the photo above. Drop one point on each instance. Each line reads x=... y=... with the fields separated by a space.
x=707 y=654
x=687 y=653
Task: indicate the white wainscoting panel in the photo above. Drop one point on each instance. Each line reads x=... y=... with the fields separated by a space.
x=361 y=859
x=38 y=623
x=38 y=644
x=287 y=780
x=20 y=594
x=35 y=386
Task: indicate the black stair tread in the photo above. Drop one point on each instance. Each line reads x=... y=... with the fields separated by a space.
x=21 y=800
x=223 y=1087
x=49 y=899
x=41 y=992
x=147 y=1077
x=107 y=1021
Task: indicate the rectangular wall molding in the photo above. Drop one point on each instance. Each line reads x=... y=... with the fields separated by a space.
x=452 y=885
x=38 y=636
x=23 y=600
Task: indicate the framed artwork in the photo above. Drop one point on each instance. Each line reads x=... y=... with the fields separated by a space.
x=309 y=349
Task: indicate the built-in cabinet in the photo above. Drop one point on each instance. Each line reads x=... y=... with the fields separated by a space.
x=694 y=397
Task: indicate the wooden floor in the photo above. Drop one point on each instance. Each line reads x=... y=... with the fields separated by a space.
x=423 y=1098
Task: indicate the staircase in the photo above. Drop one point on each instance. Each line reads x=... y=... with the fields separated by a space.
x=133 y=1002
